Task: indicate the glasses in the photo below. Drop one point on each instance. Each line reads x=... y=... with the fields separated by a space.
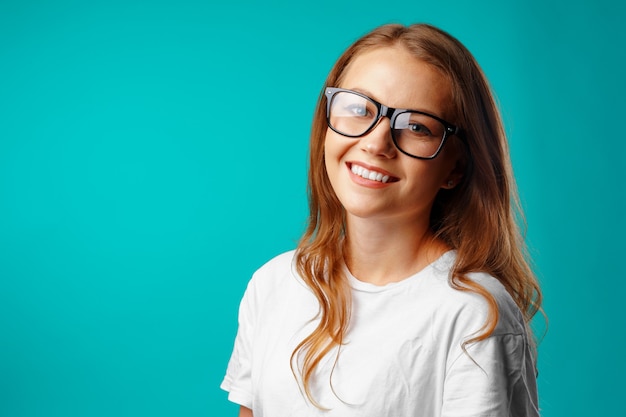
x=415 y=133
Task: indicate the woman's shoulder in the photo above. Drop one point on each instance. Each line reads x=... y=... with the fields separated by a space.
x=275 y=273
x=469 y=308
x=279 y=263
x=276 y=290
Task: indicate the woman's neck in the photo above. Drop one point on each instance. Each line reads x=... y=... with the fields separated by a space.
x=381 y=252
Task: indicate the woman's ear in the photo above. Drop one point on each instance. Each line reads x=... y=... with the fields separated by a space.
x=458 y=170
x=454 y=178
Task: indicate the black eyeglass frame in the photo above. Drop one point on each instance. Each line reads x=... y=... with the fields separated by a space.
x=391 y=113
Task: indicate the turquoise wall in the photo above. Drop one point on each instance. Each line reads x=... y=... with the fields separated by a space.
x=152 y=156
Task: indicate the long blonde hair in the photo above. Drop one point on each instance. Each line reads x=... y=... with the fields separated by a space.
x=478 y=218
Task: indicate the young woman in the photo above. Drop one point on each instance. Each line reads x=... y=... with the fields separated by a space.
x=409 y=293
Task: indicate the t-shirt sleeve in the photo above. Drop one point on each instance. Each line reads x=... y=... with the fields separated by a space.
x=238 y=380
x=494 y=378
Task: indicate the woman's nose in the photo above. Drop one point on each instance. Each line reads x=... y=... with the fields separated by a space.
x=378 y=141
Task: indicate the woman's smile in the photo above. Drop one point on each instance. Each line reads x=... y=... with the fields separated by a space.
x=369 y=175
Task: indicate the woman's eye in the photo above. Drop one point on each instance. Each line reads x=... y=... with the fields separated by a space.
x=357 y=110
x=419 y=129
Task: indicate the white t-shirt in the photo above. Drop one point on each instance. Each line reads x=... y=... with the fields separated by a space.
x=403 y=352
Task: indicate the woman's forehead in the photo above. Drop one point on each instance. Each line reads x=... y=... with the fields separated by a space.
x=397 y=78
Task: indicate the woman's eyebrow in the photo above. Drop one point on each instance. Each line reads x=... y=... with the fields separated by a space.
x=364 y=91
x=370 y=95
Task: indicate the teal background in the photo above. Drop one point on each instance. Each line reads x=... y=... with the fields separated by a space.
x=153 y=155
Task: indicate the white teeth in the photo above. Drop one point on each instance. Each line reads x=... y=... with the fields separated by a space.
x=367 y=174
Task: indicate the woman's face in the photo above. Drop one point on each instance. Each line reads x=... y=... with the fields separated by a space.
x=393 y=77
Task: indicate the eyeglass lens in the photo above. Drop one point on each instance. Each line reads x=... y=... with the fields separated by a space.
x=414 y=133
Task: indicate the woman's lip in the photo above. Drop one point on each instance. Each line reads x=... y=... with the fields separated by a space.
x=392 y=178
